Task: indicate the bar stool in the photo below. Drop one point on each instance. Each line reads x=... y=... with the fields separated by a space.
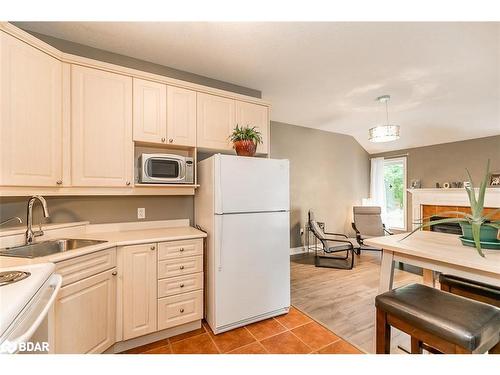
x=440 y=320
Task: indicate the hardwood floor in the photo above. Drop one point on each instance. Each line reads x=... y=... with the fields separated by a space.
x=343 y=300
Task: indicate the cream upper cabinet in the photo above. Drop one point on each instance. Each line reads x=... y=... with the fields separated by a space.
x=216 y=121
x=249 y=114
x=139 y=289
x=150 y=111
x=30 y=115
x=101 y=133
x=85 y=315
x=181 y=116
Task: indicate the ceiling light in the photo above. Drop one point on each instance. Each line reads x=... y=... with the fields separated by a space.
x=384 y=133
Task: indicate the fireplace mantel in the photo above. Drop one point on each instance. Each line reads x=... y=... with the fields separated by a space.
x=447 y=197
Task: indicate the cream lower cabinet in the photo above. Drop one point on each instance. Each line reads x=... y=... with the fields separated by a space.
x=30 y=115
x=102 y=150
x=85 y=315
x=139 y=296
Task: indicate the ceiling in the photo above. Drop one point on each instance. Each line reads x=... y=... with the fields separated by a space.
x=444 y=78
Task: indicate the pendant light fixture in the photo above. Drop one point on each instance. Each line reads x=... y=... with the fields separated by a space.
x=384 y=133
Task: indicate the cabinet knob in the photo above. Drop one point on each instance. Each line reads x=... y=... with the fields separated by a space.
x=114 y=273
x=181 y=267
x=181 y=249
x=171 y=140
x=163 y=139
x=181 y=310
x=182 y=285
x=127 y=183
x=59 y=182
x=152 y=247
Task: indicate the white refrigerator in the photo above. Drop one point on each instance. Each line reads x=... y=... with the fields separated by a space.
x=243 y=205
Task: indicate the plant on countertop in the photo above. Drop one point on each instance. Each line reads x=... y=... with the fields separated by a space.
x=245 y=140
x=476 y=221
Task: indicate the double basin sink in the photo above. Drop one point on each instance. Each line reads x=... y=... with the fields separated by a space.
x=44 y=248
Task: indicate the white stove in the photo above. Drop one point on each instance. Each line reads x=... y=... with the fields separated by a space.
x=26 y=295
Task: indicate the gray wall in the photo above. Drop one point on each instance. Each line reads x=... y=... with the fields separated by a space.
x=109 y=209
x=146 y=66
x=447 y=162
x=329 y=173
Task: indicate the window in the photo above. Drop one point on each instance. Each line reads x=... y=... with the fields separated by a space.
x=395 y=192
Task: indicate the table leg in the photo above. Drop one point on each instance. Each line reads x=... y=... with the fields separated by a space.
x=386 y=272
x=428 y=278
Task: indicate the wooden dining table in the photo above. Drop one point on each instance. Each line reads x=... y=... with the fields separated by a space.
x=435 y=251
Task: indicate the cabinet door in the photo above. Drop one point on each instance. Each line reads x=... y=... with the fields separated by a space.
x=139 y=290
x=150 y=111
x=216 y=121
x=30 y=115
x=85 y=315
x=248 y=114
x=181 y=116
x=101 y=112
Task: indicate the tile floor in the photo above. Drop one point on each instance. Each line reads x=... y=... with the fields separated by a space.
x=293 y=333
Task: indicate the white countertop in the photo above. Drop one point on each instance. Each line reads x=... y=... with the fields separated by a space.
x=119 y=234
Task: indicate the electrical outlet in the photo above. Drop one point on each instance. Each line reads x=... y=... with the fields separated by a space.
x=141 y=213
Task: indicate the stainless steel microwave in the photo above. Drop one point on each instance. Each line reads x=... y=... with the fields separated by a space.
x=166 y=169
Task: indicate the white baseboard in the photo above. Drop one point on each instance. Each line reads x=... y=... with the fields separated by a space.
x=298 y=250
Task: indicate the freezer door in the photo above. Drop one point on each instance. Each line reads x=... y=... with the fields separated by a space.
x=244 y=184
x=252 y=267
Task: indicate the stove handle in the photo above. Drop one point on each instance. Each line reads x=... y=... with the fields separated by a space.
x=55 y=284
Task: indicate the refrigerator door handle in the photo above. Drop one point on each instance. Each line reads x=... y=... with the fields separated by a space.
x=221 y=236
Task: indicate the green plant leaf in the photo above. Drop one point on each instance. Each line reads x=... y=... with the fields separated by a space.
x=472 y=194
x=464 y=214
x=431 y=223
x=476 y=234
x=246 y=133
x=494 y=225
x=482 y=190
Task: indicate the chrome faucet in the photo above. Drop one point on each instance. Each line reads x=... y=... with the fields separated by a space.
x=30 y=235
x=11 y=219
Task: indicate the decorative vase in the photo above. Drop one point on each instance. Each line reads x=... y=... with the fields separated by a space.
x=245 y=148
x=487 y=233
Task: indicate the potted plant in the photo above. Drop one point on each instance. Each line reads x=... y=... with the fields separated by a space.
x=245 y=140
x=478 y=229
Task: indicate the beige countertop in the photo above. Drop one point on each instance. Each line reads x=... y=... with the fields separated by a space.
x=115 y=235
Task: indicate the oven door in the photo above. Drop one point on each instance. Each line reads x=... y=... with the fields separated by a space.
x=163 y=170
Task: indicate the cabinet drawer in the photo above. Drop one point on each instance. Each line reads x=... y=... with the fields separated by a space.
x=178 y=267
x=180 y=284
x=78 y=268
x=176 y=249
x=180 y=309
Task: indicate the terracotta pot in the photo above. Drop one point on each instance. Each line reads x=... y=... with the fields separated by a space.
x=245 y=148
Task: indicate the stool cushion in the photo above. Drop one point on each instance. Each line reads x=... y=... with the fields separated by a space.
x=456 y=319
x=475 y=287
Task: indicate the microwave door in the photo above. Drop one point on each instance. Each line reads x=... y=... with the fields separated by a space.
x=163 y=170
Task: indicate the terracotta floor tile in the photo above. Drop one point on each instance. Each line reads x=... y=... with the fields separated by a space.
x=285 y=343
x=253 y=348
x=315 y=335
x=340 y=347
x=145 y=348
x=265 y=328
x=186 y=335
x=293 y=319
x=233 y=339
x=201 y=344
x=160 y=350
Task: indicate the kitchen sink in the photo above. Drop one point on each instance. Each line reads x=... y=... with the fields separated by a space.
x=40 y=249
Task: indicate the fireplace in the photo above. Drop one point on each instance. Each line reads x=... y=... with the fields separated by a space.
x=452 y=228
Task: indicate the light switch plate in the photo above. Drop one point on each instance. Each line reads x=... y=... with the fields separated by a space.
x=141 y=213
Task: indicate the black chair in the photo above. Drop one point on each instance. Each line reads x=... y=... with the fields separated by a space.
x=367 y=224
x=332 y=244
